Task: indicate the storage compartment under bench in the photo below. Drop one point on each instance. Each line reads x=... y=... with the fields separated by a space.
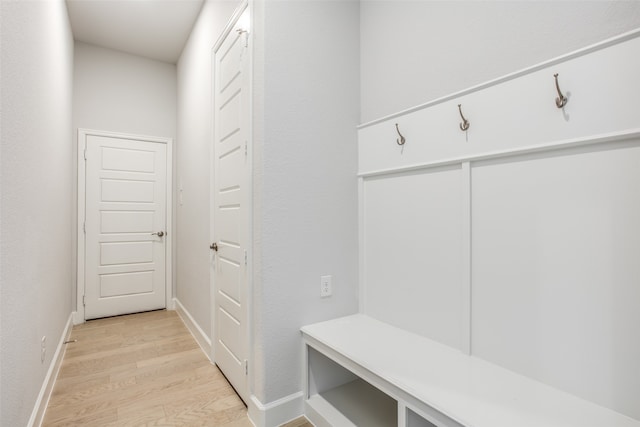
x=344 y=398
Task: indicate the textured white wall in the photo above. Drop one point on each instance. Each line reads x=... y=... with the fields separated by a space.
x=120 y=92
x=416 y=51
x=36 y=176
x=195 y=118
x=306 y=107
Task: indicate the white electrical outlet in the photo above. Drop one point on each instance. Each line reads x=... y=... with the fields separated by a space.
x=325 y=286
x=43 y=349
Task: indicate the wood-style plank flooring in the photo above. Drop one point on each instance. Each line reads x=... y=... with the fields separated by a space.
x=142 y=370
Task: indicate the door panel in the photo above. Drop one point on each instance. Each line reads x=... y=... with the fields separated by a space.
x=229 y=116
x=127 y=191
x=230 y=340
x=230 y=59
x=126 y=253
x=230 y=210
x=233 y=162
x=126 y=222
x=126 y=184
x=119 y=159
x=228 y=277
x=126 y=284
x=228 y=225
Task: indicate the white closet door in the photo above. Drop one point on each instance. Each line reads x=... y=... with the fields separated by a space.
x=230 y=210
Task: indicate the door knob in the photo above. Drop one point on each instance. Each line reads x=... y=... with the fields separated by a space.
x=159 y=234
x=214 y=246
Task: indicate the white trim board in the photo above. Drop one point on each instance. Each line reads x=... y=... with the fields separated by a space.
x=613 y=137
x=277 y=412
x=79 y=314
x=198 y=334
x=37 y=416
x=515 y=116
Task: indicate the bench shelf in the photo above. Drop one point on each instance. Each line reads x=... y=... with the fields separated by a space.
x=356 y=404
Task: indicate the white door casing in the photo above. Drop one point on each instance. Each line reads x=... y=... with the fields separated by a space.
x=230 y=204
x=123 y=224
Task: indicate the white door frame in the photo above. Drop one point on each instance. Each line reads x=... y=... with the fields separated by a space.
x=79 y=315
x=249 y=198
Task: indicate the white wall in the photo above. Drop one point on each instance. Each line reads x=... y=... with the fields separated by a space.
x=306 y=111
x=416 y=51
x=195 y=118
x=120 y=92
x=37 y=205
x=555 y=291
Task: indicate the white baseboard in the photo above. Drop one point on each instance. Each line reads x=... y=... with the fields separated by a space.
x=77 y=318
x=276 y=413
x=201 y=338
x=37 y=416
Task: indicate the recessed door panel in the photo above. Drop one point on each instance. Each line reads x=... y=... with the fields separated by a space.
x=126 y=221
x=128 y=160
x=123 y=284
x=126 y=253
x=127 y=191
x=229 y=115
x=228 y=278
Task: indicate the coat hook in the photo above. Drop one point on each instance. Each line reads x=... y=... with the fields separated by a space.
x=465 y=123
x=400 y=140
x=561 y=100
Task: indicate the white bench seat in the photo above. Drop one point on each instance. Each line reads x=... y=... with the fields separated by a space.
x=446 y=386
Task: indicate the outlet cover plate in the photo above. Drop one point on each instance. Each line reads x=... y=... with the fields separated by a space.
x=325 y=286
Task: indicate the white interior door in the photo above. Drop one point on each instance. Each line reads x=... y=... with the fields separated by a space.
x=230 y=211
x=125 y=223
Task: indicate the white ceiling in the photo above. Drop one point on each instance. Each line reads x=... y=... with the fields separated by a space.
x=156 y=29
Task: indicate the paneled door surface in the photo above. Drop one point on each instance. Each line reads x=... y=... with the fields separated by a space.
x=125 y=228
x=230 y=212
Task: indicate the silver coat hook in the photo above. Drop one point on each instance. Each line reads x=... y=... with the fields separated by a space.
x=561 y=100
x=402 y=139
x=464 y=126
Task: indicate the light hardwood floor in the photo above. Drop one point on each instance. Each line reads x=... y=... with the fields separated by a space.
x=142 y=369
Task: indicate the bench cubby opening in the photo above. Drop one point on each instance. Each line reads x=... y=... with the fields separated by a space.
x=345 y=399
x=415 y=420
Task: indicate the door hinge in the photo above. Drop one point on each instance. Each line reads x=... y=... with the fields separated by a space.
x=242 y=32
x=245 y=257
x=83 y=301
x=84 y=227
x=85 y=154
x=246 y=367
x=246 y=149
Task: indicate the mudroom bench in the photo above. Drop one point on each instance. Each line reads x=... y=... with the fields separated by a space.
x=363 y=372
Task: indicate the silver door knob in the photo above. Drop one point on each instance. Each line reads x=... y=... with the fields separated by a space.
x=214 y=246
x=159 y=234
